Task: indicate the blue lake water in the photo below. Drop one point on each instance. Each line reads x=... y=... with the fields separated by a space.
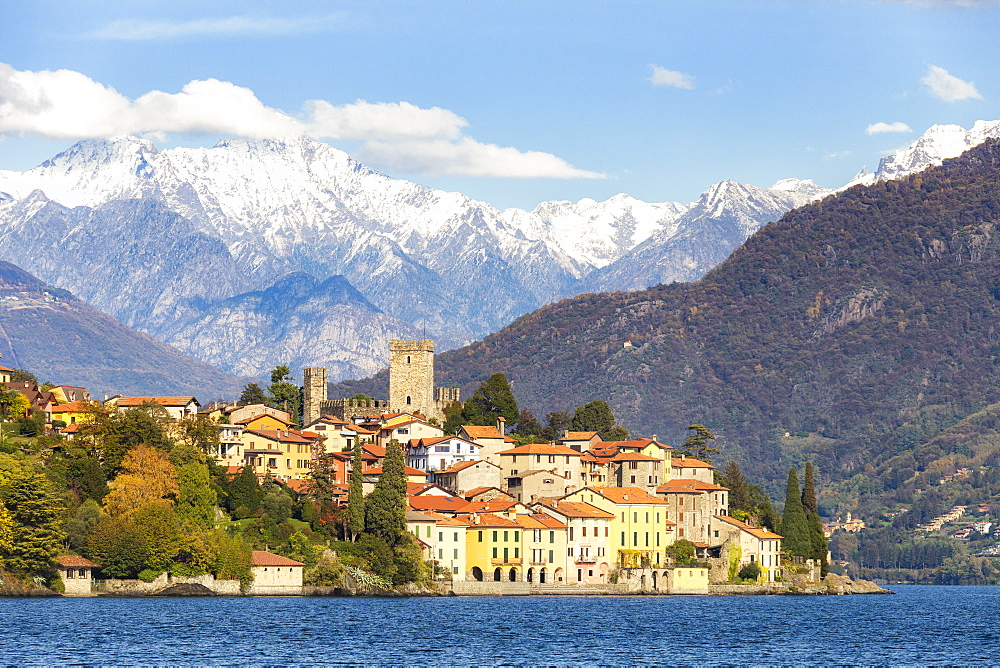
x=918 y=626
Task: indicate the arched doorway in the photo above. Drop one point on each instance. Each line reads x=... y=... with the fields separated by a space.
x=513 y=575
x=558 y=575
x=477 y=574
x=654 y=579
x=531 y=575
x=604 y=572
x=541 y=576
x=642 y=582
x=497 y=575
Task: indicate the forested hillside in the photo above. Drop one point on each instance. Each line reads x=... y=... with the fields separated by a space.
x=842 y=325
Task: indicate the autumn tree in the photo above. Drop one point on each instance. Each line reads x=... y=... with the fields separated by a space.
x=13 y=404
x=157 y=523
x=147 y=475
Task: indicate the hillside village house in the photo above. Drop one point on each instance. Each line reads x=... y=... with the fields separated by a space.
x=38 y=400
x=545 y=552
x=588 y=537
x=74 y=412
x=177 y=407
x=467 y=476
x=440 y=452
x=639 y=527
x=541 y=457
x=65 y=394
x=756 y=544
x=691 y=504
x=527 y=486
x=77 y=574
x=490 y=439
x=5 y=374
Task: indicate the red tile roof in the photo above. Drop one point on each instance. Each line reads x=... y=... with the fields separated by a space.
x=445 y=504
x=541 y=449
x=263 y=415
x=576 y=509
x=627 y=495
x=475 y=432
x=756 y=532
x=71 y=407
x=689 y=463
x=163 y=401
x=409 y=471
x=579 y=435
x=75 y=561
x=491 y=521
x=461 y=466
x=261 y=558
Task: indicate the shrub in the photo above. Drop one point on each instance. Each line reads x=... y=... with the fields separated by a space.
x=751 y=571
x=185 y=570
x=148 y=574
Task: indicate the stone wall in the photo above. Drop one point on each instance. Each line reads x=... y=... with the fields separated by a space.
x=345 y=409
x=490 y=588
x=141 y=588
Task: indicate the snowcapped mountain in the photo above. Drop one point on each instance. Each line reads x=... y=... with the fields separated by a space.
x=939 y=143
x=230 y=253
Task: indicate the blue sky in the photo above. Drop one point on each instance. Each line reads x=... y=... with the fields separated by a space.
x=510 y=102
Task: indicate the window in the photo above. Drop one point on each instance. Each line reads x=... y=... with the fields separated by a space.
x=428 y=532
x=569 y=551
x=494 y=553
x=538 y=458
x=657 y=518
x=551 y=556
x=456 y=553
x=517 y=553
x=455 y=537
x=440 y=535
x=623 y=539
x=647 y=539
x=584 y=531
x=716 y=533
x=408 y=402
x=494 y=536
x=647 y=517
x=454 y=570
x=632 y=479
x=568 y=475
x=635 y=516
x=440 y=554
x=635 y=539
x=505 y=536
x=606 y=531
x=571 y=533
x=480 y=536
x=552 y=536
x=552 y=459
x=632 y=466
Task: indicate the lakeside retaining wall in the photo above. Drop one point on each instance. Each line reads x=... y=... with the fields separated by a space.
x=142 y=588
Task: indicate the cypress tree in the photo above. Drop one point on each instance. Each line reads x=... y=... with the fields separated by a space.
x=94 y=482
x=811 y=508
x=245 y=492
x=355 y=495
x=794 y=526
x=385 y=507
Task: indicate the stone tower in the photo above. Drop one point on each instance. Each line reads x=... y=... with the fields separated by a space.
x=411 y=376
x=314 y=391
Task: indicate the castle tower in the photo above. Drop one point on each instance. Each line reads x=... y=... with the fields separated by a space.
x=314 y=391
x=411 y=376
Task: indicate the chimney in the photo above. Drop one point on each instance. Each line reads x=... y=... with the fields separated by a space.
x=502 y=425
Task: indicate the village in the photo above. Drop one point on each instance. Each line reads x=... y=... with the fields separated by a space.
x=576 y=514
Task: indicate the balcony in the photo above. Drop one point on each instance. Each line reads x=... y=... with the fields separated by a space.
x=513 y=561
x=585 y=560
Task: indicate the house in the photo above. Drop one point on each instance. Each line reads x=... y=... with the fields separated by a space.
x=439 y=452
x=490 y=439
x=38 y=400
x=230 y=450
x=448 y=555
x=285 y=454
x=542 y=457
x=692 y=504
x=274 y=575
x=543 y=540
x=581 y=441
x=5 y=375
x=639 y=529
x=686 y=467
x=263 y=421
x=465 y=476
x=446 y=505
x=177 y=407
x=615 y=467
x=527 y=486
x=337 y=435
x=65 y=394
x=493 y=548
x=756 y=544
x=372 y=475
x=77 y=574
x=239 y=413
x=74 y=412
x=588 y=537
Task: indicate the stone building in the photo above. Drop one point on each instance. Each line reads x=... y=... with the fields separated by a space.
x=411 y=387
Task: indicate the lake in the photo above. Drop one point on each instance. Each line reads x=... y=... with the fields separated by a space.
x=918 y=626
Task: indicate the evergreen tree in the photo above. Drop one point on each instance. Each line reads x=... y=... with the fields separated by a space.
x=809 y=504
x=355 y=495
x=385 y=507
x=593 y=416
x=811 y=509
x=284 y=394
x=94 y=482
x=118 y=546
x=36 y=520
x=244 y=492
x=697 y=444
x=491 y=400
x=252 y=394
x=197 y=498
x=739 y=488
x=794 y=527
x=558 y=423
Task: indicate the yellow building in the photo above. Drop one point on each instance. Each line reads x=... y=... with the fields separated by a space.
x=282 y=454
x=545 y=553
x=75 y=412
x=263 y=421
x=639 y=530
x=493 y=548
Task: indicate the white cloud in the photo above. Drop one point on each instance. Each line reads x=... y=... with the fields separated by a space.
x=468 y=157
x=381 y=120
x=670 y=78
x=948 y=87
x=69 y=105
x=836 y=155
x=155 y=29
x=877 y=128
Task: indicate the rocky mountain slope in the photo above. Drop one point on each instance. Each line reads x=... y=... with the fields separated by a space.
x=64 y=340
x=821 y=337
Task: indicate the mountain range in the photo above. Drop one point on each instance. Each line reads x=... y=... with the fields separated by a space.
x=65 y=340
x=256 y=253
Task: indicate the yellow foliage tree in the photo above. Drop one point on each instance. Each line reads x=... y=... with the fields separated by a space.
x=147 y=476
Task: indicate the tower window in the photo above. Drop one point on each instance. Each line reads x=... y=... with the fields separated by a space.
x=407 y=359
x=407 y=400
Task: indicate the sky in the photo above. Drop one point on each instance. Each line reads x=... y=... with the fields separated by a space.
x=515 y=102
